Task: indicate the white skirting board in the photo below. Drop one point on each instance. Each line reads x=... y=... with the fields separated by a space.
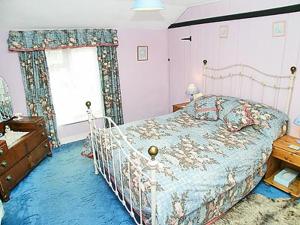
x=77 y=137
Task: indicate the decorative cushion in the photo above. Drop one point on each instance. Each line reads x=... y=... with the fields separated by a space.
x=189 y=109
x=205 y=108
x=239 y=117
x=225 y=104
x=268 y=120
x=198 y=95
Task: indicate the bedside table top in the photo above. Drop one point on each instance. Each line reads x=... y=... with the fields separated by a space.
x=284 y=142
x=181 y=105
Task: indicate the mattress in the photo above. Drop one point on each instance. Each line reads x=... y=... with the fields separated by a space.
x=203 y=168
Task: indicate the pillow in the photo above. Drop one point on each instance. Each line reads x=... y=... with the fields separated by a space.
x=239 y=117
x=225 y=104
x=205 y=108
x=198 y=95
x=189 y=108
x=265 y=118
x=268 y=120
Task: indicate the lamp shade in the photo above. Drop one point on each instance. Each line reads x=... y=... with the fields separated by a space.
x=297 y=121
x=191 y=89
x=147 y=5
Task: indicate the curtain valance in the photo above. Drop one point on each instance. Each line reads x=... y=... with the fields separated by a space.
x=54 y=39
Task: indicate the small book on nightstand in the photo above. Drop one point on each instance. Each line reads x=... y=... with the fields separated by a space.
x=286 y=176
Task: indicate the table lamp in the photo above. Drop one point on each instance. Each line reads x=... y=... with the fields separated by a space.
x=297 y=123
x=191 y=90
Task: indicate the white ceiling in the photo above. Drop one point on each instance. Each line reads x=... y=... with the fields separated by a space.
x=50 y=14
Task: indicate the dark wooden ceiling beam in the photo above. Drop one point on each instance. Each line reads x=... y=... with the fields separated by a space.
x=239 y=16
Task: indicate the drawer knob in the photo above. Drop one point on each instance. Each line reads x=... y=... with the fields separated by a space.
x=46 y=145
x=4 y=164
x=43 y=134
x=9 y=178
x=1 y=151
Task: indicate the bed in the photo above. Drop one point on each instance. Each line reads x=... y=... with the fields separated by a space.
x=195 y=169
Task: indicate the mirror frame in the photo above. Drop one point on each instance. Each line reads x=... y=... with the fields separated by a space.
x=6 y=108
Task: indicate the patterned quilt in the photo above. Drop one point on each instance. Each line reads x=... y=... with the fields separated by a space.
x=203 y=168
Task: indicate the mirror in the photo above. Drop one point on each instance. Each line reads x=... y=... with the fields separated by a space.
x=6 y=109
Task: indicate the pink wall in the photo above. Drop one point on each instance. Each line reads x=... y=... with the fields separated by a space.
x=249 y=41
x=10 y=70
x=144 y=85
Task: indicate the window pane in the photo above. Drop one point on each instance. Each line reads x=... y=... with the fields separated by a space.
x=74 y=79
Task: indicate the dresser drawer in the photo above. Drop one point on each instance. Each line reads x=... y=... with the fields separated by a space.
x=15 y=174
x=35 y=139
x=27 y=124
x=39 y=153
x=3 y=148
x=289 y=157
x=12 y=156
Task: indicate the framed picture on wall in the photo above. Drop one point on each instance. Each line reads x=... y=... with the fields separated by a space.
x=278 y=29
x=223 y=31
x=142 y=53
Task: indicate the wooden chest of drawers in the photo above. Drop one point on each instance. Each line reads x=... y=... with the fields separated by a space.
x=18 y=160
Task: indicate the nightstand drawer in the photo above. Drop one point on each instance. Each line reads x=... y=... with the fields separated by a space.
x=286 y=156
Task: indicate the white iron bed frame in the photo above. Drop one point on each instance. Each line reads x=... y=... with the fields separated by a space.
x=100 y=151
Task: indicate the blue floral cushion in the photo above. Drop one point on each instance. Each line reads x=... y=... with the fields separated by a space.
x=206 y=108
x=189 y=109
x=268 y=120
x=239 y=117
x=225 y=104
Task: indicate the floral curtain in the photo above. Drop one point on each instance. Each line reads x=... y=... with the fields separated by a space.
x=37 y=90
x=31 y=46
x=109 y=74
x=55 y=39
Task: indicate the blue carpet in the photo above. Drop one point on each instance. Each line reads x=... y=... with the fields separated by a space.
x=63 y=190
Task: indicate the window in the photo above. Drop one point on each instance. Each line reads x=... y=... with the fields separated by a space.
x=74 y=79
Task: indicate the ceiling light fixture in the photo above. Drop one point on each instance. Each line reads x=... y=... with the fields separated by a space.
x=147 y=5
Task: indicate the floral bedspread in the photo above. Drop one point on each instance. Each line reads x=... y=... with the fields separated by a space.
x=203 y=168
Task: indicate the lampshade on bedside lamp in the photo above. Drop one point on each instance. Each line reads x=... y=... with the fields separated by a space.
x=191 y=90
x=297 y=123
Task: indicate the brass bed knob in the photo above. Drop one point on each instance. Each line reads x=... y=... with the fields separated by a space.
x=153 y=151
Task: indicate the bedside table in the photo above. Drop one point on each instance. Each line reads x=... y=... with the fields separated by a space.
x=282 y=156
x=177 y=107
